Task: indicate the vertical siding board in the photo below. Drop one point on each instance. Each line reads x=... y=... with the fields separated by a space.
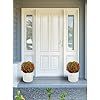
x=82 y=40
x=14 y=35
x=18 y=36
x=85 y=39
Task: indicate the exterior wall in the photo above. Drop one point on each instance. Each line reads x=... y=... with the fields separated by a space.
x=18 y=4
x=85 y=39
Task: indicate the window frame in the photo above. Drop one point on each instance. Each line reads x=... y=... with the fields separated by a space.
x=70 y=55
x=24 y=51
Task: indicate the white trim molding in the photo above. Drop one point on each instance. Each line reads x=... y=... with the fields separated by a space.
x=27 y=54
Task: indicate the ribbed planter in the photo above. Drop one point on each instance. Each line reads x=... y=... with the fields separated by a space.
x=28 y=77
x=73 y=77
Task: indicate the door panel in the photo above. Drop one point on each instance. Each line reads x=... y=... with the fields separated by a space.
x=48 y=43
x=44 y=36
x=44 y=62
x=54 y=33
x=54 y=62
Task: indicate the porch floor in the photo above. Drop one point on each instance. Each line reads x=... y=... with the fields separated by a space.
x=54 y=82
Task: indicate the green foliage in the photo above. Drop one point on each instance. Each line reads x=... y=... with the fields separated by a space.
x=62 y=96
x=19 y=96
x=49 y=92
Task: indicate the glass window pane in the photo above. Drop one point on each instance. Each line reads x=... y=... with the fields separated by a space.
x=71 y=32
x=29 y=37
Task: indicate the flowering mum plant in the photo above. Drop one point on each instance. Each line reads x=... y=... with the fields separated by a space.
x=27 y=67
x=73 y=67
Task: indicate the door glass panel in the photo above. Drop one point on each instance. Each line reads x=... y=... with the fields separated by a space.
x=29 y=38
x=71 y=32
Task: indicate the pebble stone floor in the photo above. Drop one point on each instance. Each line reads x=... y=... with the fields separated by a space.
x=40 y=93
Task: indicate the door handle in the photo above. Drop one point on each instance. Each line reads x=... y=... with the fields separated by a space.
x=61 y=43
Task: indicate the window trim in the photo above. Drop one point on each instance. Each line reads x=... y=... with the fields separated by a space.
x=24 y=51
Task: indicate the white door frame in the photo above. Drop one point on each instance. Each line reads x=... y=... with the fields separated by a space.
x=68 y=54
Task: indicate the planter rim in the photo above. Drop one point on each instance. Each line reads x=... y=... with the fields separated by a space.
x=28 y=72
x=73 y=73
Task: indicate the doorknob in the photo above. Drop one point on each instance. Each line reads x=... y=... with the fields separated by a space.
x=62 y=43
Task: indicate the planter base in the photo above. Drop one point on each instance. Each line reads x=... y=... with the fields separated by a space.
x=73 y=77
x=28 y=77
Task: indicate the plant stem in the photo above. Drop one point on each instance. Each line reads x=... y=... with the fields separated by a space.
x=49 y=98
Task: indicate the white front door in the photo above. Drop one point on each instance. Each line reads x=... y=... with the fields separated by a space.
x=49 y=42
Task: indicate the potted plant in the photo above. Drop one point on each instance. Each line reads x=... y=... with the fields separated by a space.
x=27 y=71
x=73 y=71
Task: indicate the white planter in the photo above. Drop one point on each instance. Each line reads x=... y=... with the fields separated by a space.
x=27 y=77
x=73 y=77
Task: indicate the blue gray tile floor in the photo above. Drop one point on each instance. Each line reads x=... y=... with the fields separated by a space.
x=54 y=82
x=40 y=93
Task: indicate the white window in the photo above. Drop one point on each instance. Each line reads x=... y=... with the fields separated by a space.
x=29 y=31
x=70 y=37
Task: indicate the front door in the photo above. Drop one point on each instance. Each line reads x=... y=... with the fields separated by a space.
x=49 y=42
